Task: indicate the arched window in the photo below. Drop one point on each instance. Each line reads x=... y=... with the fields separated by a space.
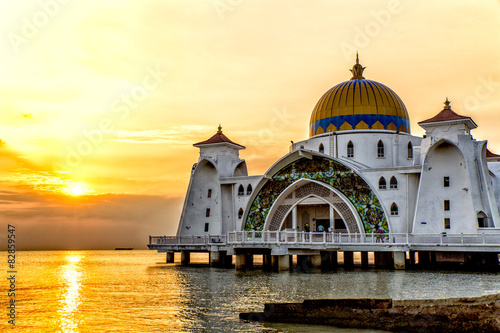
x=410 y=150
x=394 y=182
x=350 y=149
x=482 y=220
x=381 y=183
x=240 y=213
x=321 y=148
x=241 y=190
x=380 y=149
x=249 y=189
x=394 y=209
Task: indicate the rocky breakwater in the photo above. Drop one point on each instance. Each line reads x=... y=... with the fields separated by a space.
x=466 y=314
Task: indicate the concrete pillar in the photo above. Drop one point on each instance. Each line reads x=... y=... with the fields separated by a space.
x=423 y=258
x=274 y=262
x=227 y=260
x=348 y=259
x=334 y=260
x=303 y=262
x=294 y=218
x=399 y=260
x=240 y=263
x=215 y=258
x=325 y=260
x=315 y=261
x=283 y=263
x=170 y=257
x=412 y=258
x=249 y=261
x=364 y=259
x=185 y=257
x=267 y=262
x=383 y=260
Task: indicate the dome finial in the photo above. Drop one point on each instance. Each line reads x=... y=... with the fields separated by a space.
x=219 y=129
x=447 y=104
x=357 y=70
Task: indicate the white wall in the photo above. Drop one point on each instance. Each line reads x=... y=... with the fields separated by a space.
x=194 y=217
x=444 y=159
x=365 y=147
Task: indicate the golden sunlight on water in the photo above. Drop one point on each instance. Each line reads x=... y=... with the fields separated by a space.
x=136 y=291
x=71 y=277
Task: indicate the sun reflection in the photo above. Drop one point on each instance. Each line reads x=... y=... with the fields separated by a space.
x=71 y=278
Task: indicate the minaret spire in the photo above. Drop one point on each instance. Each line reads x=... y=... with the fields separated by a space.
x=447 y=104
x=357 y=70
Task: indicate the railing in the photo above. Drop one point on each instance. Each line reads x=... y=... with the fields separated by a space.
x=188 y=240
x=297 y=237
x=304 y=238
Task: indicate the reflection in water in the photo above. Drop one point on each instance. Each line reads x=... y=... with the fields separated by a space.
x=135 y=291
x=71 y=278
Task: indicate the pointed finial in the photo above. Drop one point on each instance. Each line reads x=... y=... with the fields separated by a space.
x=447 y=104
x=357 y=70
x=219 y=129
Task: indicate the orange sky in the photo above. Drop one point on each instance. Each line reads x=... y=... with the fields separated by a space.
x=105 y=98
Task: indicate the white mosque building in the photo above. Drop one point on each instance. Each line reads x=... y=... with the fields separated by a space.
x=359 y=172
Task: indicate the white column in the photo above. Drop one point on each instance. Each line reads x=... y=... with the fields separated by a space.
x=332 y=212
x=294 y=217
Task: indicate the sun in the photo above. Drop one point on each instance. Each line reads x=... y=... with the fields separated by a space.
x=76 y=188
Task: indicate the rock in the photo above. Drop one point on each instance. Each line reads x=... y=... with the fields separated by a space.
x=466 y=314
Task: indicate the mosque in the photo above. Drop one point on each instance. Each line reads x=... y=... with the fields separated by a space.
x=359 y=172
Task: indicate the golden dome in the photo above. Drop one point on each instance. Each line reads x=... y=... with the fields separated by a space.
x=359 y=104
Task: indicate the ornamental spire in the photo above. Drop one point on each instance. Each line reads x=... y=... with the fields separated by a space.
x=447 y=104
x=357 y=70
x=219 y=129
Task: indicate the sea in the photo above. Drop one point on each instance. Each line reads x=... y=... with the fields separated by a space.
x=136 y=291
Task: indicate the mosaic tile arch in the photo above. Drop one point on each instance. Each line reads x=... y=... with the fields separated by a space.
x=351 y=185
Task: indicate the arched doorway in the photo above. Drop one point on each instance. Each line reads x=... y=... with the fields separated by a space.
x=314 y=214
x=321 y=203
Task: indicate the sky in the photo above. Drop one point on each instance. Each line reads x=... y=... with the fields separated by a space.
x=101 y=100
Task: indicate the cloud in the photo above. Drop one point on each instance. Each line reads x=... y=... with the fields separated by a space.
x=53 y=222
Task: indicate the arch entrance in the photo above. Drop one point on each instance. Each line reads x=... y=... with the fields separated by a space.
x=309 y=204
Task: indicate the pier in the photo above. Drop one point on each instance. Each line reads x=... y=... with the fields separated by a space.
x=321 y=250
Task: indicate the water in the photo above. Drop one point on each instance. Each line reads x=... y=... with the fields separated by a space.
x=135 y=291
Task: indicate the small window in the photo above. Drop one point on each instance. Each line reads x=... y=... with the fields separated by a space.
x=321 y=148
x=381 y=183
x=447 y=223
x=241 y=190
x=208 y=212
x=209 y=195
x=240 y=213
x=447 y=205
x=482 y=220
x=380 y=149
x=249 y=189
x=410 y=150
x=394 y=209
x=446 y=181
x=350 y=149
x=206 y=227
x=394 y=182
